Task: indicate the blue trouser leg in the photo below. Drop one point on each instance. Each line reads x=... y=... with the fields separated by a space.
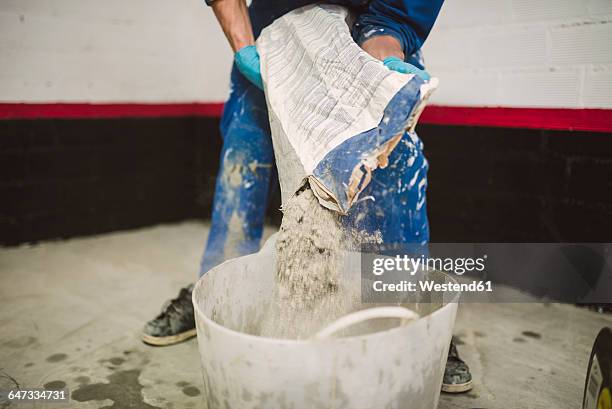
x=243 y=180
x=394 y=201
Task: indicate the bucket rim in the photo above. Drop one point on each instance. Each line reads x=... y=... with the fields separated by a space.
x=258 y=338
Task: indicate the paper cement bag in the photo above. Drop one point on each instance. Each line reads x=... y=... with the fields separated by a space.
x=335 y=112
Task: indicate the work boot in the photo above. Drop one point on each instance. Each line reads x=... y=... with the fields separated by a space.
x=174 y=324
x=457 y=376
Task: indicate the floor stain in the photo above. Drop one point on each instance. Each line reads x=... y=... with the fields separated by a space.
x=55 y=385
x=57 y=357
x=532 y=334
x=82 y=379
x=182 y=384
x=124 y=389
x=6 y=382
x=519 y=340
x=20 y=342
x=191 y=391
x=116 y=361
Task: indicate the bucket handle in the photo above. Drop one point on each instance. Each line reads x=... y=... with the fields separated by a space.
x=356 y=317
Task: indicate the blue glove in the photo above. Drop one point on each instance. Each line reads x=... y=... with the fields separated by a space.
x=247 y=61
x=395 y=64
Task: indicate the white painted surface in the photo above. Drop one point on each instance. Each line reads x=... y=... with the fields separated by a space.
x=111 y=50
x=525 y=53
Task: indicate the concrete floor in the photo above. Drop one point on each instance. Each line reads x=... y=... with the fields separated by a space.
x=71 y=311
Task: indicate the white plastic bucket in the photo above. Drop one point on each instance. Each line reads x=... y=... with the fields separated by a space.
x=401 y=367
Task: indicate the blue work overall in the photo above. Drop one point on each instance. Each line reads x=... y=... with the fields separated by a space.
x=393 y=203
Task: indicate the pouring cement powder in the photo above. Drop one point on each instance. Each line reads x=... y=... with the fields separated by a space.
x=307 y=248
x=309 y=251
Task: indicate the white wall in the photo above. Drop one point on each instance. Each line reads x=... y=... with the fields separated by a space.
x=111 y=50
x=542 y=53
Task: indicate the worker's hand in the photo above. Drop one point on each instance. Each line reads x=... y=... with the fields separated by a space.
x=247 y=61
x=389 y=50
x=396 y=64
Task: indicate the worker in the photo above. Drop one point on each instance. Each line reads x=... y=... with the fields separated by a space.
x=392 y=31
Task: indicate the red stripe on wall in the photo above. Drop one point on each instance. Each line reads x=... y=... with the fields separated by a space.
x=594 y=120
x=83 y=110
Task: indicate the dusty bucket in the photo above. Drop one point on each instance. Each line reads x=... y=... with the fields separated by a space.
x=394 y=366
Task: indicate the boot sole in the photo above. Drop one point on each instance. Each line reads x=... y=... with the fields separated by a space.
x=168 y=340
x=457 y=388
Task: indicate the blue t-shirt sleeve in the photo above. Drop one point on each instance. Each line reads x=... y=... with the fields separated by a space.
x=410 y=21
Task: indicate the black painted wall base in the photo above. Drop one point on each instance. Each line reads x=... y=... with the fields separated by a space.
x=65 y=178
x=507 y=185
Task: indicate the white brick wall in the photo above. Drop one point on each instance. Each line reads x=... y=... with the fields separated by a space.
x=111 y=51
x=540 y=53
x=523 y=53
